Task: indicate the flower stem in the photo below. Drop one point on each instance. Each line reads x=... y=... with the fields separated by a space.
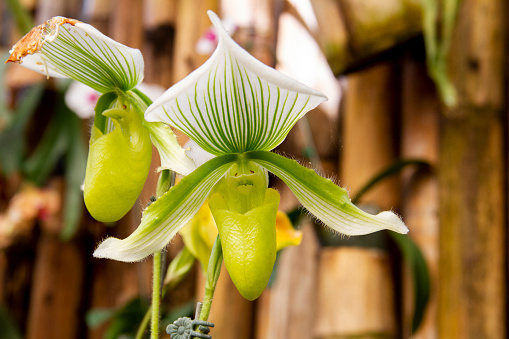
x=165 y=182
x=213 y=271
x=156 y=295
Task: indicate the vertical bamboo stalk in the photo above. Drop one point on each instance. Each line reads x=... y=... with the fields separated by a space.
x=127 y=22
x=56 y=297
x=472 y=192
x=420 y=109
x=368 y=132
x=354 y=32
x=287 y=310
x=192 y=21
x=159 y=21
x=354 y=294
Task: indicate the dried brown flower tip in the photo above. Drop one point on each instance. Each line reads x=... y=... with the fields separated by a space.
x=33 y=40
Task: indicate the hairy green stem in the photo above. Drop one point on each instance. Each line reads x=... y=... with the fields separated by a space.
x=156 y=295
x=213 y=271
x=165 y=182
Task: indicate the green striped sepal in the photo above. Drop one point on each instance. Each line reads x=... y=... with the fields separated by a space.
x=68 y=48
x=234 y=103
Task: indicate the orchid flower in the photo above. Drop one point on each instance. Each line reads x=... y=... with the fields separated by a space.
x=239 y=109
x=121 y=139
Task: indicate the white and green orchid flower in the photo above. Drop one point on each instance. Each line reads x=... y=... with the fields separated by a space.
x=121 y=139
x=238 y=109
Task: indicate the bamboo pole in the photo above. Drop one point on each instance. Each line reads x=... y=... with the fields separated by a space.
x=56 y=297
x=191 y=23
x=127 y=22
x=353 y=32
x=347 y=274
x=159 y=22
x=354 y=294
x=420 y=107
x=368 y=133
x=287 y=310
x=473 y=283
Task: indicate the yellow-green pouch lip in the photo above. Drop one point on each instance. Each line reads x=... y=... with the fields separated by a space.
x=117 y=167
x=248 y=241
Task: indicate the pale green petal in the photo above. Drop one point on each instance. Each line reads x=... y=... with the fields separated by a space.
x=168 y=214
x=325 y=200
x=173 y=157
x=234 y=103
x=68 y=48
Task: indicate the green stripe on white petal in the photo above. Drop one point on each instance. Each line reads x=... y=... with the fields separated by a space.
x=168 y=214
x=325 y=200
x=234 y=103
x=71 y=49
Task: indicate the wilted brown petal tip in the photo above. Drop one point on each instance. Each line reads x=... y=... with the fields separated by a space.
x=33 y=40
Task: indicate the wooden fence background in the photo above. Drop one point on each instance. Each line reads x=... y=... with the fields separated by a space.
x=456 y=211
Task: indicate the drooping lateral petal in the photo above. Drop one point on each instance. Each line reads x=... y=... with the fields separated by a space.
x=173 y=157
x=68 y=48
x=234 y=103
x=168 y=214
x=325 y=200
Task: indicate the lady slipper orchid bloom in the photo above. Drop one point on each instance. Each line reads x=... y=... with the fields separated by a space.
x=121 y=139
x=239 y=109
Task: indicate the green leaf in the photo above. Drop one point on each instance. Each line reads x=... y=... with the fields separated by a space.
x=415 y=261
x=186 y=310
x=325 y=200
x=437 y=44
x=21 y=16
x=168 y=214
x=98 y=316
x=12 y=138
x=5 y=112
x=51 y=147
x=8 y=328
x=125 y=320
x=179 y=267
x=76 y=161
x=392 y=169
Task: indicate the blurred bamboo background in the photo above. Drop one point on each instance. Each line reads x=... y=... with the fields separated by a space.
x=448 y=179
